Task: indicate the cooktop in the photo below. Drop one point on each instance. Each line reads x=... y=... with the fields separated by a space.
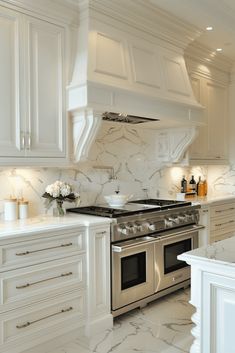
x=164 y=204
x=131 y=208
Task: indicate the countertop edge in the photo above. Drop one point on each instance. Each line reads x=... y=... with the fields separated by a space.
x=42 y=223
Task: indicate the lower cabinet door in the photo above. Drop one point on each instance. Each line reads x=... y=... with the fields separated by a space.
x=34 y=283
x=60 y=243
x=218 y=314
x=25 y=327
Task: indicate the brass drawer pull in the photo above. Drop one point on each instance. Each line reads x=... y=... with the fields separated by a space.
x=101 y=233
x=44 y=249
x=44 y=280
x=227 y=209
x=28 y=323
x=222 y=224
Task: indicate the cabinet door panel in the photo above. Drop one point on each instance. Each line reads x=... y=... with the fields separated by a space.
x=217 y=120
x=46 y=114
x=30 y=284
x=211 y=144
x=10 y=84
x=199 y=147
x=218 y=313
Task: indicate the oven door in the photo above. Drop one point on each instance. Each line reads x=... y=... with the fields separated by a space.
x=132 y=271
x=170 y=270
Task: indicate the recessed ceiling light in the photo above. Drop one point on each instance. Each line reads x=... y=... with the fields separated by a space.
x=209 y=28
x=219 y=49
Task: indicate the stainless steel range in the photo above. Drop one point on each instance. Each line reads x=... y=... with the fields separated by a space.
x=146 y=238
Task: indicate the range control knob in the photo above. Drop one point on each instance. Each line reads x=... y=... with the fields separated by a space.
x=182 y=219
x=174 y=220
x=123 y=230
x=168 y=223
x=139 y=226
x=190 y=217
x=131 y=228
x=151 y=226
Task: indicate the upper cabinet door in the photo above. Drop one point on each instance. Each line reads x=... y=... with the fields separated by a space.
x=11 y=84
x=210 y=146
x=217 y=103
x=46 y=130
x=199 y=148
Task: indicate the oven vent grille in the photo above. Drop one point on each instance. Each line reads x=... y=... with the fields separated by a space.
x=125 y=118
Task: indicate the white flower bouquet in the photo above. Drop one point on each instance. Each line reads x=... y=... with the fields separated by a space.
x=60 y=191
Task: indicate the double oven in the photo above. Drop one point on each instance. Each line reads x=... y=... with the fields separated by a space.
x=147 y=267
x=146 y=238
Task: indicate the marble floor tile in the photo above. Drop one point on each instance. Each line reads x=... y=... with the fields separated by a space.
x=163 y=326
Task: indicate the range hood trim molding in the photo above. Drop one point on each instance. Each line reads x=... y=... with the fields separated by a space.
x=87 y=124
x=102 y=98
x=151 y=20
x=85 y=127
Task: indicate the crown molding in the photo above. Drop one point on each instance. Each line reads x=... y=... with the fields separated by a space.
x=208 y=57
x=65 y=11
x=144 y=17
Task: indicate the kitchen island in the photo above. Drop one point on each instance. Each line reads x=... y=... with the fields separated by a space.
x=213 y=295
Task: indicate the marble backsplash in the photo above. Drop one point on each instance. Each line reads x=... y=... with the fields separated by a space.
x=132 y=155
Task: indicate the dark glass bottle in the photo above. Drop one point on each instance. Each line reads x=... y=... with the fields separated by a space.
x=192 y=184
x=183 y=184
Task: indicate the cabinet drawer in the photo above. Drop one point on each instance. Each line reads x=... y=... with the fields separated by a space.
x=36 y=251
x=223 y=210
x=43 y=319
x=34 y=283
x=217 y=237
x=224 y=224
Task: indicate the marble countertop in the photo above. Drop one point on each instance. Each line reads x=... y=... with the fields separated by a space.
x=47 y=223
x=209 y=200
x=221 y=252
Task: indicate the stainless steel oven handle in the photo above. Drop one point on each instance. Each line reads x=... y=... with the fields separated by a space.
x=180 y=232
x=133 y=244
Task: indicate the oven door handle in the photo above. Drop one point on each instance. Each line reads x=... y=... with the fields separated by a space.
x=181 y=232
x=133 y=245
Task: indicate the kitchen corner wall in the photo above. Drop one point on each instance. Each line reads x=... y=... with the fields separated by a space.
x=132 y=153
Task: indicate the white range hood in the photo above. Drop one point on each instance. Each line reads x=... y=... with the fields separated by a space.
x=120 y=68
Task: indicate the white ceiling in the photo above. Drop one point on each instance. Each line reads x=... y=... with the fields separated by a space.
x=220 y=14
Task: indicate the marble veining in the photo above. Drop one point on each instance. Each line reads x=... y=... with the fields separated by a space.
x=219 y=252
x=46 y=223
x=162 y=326
x=140 y=159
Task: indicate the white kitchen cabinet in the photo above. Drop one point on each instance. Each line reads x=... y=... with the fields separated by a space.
x=218 y=313
x=218 y=218
x=222 y=220
x=38 y=249
x=31 y=325
x=31 y=284
x=211 y=144
x=98 y=264
x=43 y=287
x=53 y=281
x=204 y=234
x=32 y=99
x=10 y=84
x=213 y=296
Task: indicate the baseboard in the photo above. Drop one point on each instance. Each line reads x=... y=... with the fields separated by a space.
x=98 y=325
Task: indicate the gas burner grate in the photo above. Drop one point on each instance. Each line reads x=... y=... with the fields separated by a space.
x=163 y=203
x=98 y=211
